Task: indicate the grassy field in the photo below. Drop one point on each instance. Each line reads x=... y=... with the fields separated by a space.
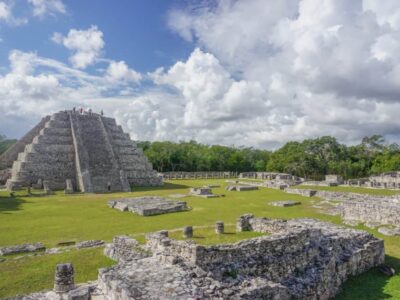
x=51 y=219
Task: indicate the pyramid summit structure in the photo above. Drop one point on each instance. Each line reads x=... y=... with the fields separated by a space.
x=89 y=149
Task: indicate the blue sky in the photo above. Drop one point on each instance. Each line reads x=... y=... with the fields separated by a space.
x=235 y=72
x=135 y=32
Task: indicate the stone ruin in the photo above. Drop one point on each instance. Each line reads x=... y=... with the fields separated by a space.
x=241 y=188
x=148 y=205
x=295 y=259
x=287 y=203
x=204 y=192
x=330 y=180
x=90 y=150
x=388 y=180
x=271 y=179
x=373 y=210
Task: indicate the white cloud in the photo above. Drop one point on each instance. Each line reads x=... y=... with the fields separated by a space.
x=119 y=71
x=85 y=44
x=47 y=7
x=211 y=95
x=6 y=14
x=325 y=67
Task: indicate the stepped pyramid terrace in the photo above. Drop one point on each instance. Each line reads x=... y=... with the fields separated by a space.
x=90 y=150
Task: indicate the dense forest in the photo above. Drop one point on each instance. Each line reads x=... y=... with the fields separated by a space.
x=312 y=158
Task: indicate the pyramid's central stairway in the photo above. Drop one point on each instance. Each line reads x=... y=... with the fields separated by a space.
x=91 y=150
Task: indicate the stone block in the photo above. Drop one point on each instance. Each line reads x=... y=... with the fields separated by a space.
x=148 y=205
x=89 y=244
x=285 y=203
x=188 y=232
x=64 y=278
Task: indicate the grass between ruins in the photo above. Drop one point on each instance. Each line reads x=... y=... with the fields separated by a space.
x=56 y=218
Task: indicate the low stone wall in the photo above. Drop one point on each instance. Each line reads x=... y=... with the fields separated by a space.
x=379 y=212
x=302 y=192
x=198 y=175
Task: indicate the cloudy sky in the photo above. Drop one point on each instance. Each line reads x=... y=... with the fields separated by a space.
x=246 y=72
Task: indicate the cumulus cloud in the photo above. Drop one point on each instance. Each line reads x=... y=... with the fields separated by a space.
x=212 y=95
x=47 y=7
x=86 y=45
x=119 y=71
x=320 y=67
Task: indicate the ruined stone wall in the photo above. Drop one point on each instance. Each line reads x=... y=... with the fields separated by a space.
x=199 y=175
x=379 y=212
x=309 y=259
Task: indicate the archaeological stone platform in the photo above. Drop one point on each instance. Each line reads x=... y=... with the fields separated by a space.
x=89 y=149
x=148 y=205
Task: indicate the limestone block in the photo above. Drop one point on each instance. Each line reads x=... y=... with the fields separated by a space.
x=64 y=278
x=69 y=189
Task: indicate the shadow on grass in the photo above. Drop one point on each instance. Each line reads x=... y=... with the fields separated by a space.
x=8 y=204
x=370 y=285
x=166 y=186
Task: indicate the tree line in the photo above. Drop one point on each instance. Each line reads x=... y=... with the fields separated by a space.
x=311 y=158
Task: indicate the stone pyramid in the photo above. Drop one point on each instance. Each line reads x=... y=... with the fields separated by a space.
x=89 y=149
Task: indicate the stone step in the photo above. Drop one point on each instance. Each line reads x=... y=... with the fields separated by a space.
x=123 y=142
x=58 y=124
x=47 y=157
x=43 y=148
x=53 y=139
x=60 y=116
x=56 y=131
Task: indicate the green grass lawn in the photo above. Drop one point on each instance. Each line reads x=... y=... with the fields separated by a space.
x=51 y=219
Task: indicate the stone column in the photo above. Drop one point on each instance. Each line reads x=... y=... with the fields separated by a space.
x=68 y=187
x=243 y=223
x=46 y=187
x=64 y=278
x=187 y=231
x=219 y=227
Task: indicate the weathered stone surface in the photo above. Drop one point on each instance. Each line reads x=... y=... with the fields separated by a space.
x=91 y=150
x=47 y=188
x=302 y=192
x=296 y=259
x=69 y=189
x=389 y=231
x=219 y=227
x=64 y=278
x=22 y=248
x=285 y=203
x=148 y=205
x=204 y=192
x=301 y=259
x=241 y=188
x=188 y=232
x=89 y=244
x=125 y=248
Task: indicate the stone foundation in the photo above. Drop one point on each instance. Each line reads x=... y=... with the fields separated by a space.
x=299 y=259
x=148 y=205
x=296 y=259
